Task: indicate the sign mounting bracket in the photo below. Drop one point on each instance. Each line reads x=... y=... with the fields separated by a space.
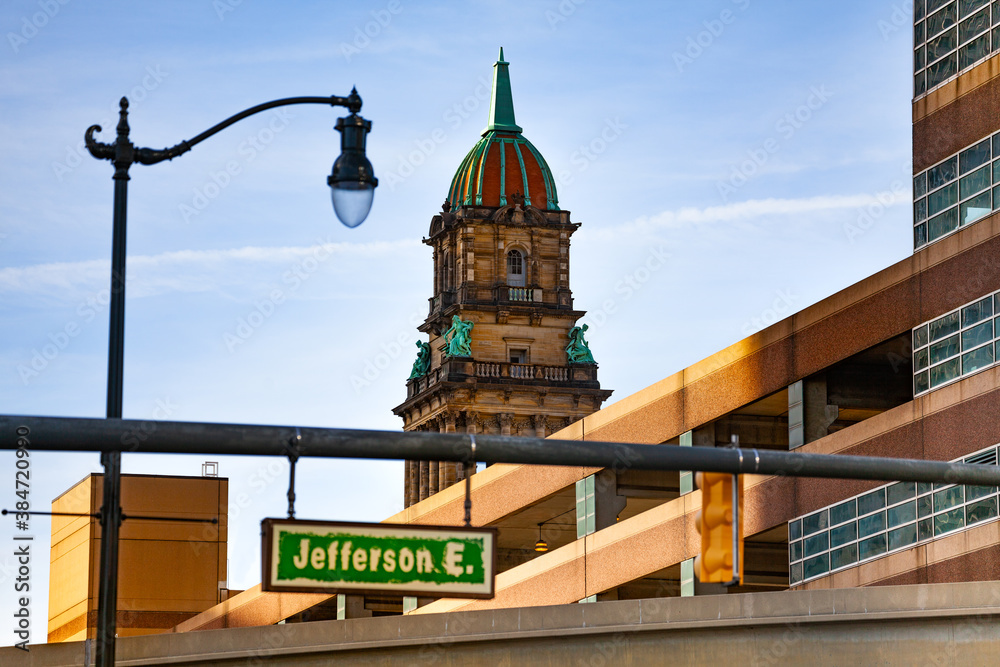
x=293 y=448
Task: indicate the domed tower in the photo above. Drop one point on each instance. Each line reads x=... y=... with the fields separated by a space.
x=504 y=352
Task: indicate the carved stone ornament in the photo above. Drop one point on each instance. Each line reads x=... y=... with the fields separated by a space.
x=518 y=214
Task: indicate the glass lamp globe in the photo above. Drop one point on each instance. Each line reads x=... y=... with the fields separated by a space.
x=352 y=181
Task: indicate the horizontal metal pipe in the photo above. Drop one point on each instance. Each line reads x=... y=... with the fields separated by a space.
x=80 y=434
x=97 y=515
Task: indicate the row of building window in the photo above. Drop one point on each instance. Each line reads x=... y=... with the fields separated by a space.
x=956 y=191
x=893 y=517
x=957 y=344
x=950 y=37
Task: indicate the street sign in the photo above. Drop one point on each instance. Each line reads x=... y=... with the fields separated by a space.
x=339 y=557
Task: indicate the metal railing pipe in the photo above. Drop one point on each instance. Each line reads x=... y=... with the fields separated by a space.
x=81 y=434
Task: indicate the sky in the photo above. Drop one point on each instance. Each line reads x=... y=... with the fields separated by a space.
x=731 y=162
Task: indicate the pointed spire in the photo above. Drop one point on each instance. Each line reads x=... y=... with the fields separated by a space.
x=501 y=100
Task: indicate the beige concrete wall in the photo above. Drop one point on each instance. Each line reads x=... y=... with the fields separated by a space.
x=945 y=624
x=168 y=571
x=69 y=563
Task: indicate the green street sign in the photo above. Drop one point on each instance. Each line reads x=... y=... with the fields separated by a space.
x=338 y=557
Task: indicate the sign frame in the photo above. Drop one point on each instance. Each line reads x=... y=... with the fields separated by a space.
x=267 y=541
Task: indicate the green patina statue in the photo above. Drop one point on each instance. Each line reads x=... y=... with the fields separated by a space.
x=458 y=339
x=423 y=362
x=577 y=350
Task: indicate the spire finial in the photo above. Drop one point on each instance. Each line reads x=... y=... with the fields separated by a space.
x=501 y=100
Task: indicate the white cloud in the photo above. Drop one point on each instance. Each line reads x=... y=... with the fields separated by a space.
x=187 y=270
x=748 y=211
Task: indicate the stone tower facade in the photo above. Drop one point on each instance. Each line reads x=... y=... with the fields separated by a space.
x=501 y=248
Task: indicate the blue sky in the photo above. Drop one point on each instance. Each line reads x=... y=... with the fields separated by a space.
x=759 y=151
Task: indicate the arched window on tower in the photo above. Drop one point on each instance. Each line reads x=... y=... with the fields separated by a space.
x=515 y=268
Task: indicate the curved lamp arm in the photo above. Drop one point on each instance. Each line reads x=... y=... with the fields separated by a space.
x=352 y=182
x=104 y=151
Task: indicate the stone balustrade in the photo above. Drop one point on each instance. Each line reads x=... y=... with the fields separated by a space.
x=501 y=371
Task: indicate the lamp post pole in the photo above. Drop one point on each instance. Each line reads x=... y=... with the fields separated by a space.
x=352 y=183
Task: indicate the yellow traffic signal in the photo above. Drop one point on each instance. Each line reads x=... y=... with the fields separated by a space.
x=720 y=523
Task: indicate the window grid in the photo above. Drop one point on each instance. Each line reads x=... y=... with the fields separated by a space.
x=957 y=344
x=957 y=191
x=950 y=38
x=887 y=519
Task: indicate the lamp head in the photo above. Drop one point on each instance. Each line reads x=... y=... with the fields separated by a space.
x=352 y=182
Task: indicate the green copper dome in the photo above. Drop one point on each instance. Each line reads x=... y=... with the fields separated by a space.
x=503 y=163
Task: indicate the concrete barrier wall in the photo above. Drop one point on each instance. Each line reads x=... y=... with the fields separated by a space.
x=939 y=624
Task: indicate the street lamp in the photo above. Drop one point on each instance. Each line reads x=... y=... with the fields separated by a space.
x=352 y=183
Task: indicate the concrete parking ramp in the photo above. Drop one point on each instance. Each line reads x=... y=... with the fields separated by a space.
x=936 y=624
